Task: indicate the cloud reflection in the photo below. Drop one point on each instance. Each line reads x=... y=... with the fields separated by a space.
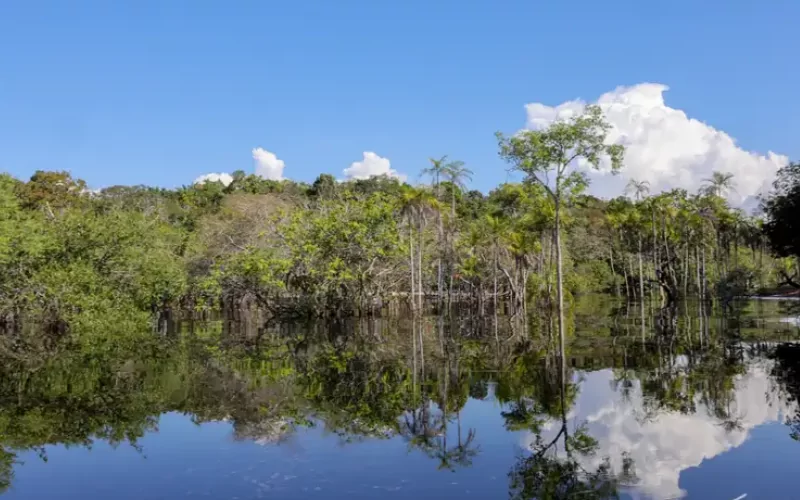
x=664 y=443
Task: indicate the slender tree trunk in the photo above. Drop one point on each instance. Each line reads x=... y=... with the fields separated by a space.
x=697 y=269
x=411 y=264
x=641 y=273
x=550 y=252
x=613 y=271
x=421 y=348
x=414 y=343
x=440 y=277
x=655 y=248
x=625 y=272
x=705 y=277
x=420 y=292
x=686 y=272
x=525 y=302
x=495 y=292
x=560 y=278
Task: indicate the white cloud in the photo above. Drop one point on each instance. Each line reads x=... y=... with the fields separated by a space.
x=370 y=166
x=224 y=178
x=268 y=165
x=668 y=442
x=664 y=146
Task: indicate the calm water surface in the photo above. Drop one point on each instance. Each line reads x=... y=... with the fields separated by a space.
x=684 y=405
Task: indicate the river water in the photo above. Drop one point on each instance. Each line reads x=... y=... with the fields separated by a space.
x=684 y=404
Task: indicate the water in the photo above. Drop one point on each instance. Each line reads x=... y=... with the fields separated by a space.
x=682 y=405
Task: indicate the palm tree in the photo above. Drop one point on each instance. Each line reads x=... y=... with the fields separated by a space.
x=456 y=173
x=496 y=227
x=426 y=204
x=408 y=210
x=719 y=184
x=639 y=189
x=436 y=171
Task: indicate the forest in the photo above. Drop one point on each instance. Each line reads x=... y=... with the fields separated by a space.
x=119 y=259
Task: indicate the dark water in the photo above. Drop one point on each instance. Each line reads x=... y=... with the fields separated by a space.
x=684 y=404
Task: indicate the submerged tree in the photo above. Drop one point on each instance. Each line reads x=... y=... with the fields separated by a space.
x=550 y=158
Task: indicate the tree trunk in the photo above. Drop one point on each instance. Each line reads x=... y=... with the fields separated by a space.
x=627 y=285
x=697 y=269
x=705 y=277
x=420 y=248
x=655 y=248
x=525 y=301
x=495 y=292
x=641 y=273
x=559 y=278
x=440 y=276
x=613 y=271
x=411 y=264
x=452 y=240
x=686 y=271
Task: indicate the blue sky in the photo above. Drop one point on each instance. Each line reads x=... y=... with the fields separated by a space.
x=160 y=92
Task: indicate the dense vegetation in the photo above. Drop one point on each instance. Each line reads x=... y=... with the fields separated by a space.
x=118 y=259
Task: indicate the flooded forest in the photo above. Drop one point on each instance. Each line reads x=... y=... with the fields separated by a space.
x=249 y=338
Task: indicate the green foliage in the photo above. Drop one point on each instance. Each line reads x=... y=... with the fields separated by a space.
x=538 y=153
x=590 y=277
x=92 y=270
x=782 y=208
x=77 y=260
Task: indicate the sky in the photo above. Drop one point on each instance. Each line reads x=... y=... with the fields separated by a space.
x=163 y=92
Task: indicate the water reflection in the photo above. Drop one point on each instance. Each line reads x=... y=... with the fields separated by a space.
x=622 y=414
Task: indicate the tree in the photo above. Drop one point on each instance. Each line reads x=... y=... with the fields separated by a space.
x=436 y=171
x=719 y=183
x=639 y=190
x=554 y=151
x=782 y=207
x=51 y=190
x=417 y=203
x=456 y=173
x=324 y=186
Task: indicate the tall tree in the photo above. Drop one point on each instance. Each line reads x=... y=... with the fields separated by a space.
x=457 y=174
x=719 y=184
x=639 y=189
x=549 y=158
x=436 y=171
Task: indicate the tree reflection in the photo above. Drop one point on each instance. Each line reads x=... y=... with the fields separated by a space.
x=7 y=461
x=786 y=372
x=552 y=467
x=428 y=427
x=358 y=388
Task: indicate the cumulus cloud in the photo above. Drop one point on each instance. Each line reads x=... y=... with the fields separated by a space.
x=268 y=165
x=668 y=442
x=224 y=178
x=370 y=166
x=664 y=146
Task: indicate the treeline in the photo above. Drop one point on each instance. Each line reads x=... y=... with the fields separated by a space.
x=114 y=259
